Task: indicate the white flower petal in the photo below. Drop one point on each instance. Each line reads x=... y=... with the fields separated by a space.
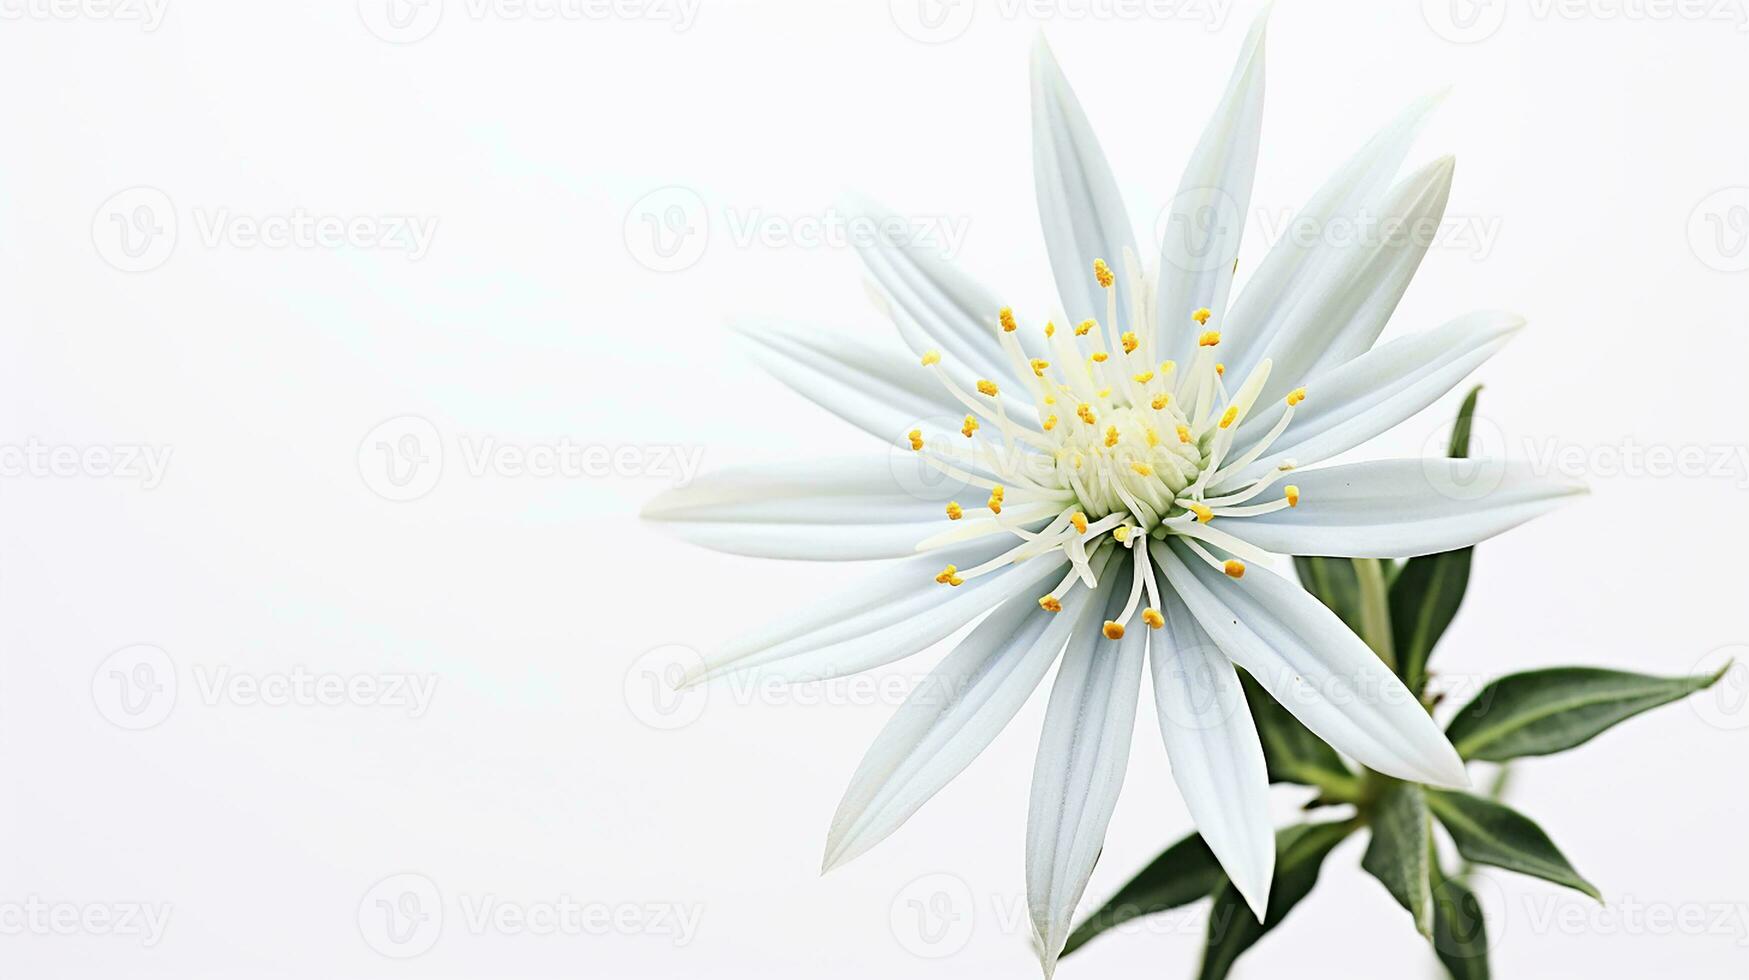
x=1359 y=286
x=951 y=716
x=1207 y=215
x=896 y=613
x=1217 y=759
x=1078 y=201
x=1079 y=772
x=1400 y=508
x=1350 y=404
x=1296 y=264
x=1316 y=667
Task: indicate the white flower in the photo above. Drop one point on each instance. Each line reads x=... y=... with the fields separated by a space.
x=1122 y=475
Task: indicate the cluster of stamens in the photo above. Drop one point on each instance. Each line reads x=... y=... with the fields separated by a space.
x=1127 y=449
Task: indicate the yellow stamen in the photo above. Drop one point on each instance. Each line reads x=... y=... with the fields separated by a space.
x=1202 y=316
x=970 y=427
x=1099 y=356
x=1184 y=433
x=1086 y=412
x=1229 y=415
x=947 y=576
x=1167 y=367
x=1085 y=327
x=1142 y=469
x=1152 y=617
x=987 y=388
x=1235 y=568
x=1103 y=392
x=1038 y=366
x=1161 y=401
x=1102 y=272
x=1111 y=437
x=1121 y=533
x=1050 y=422
x=1130 y=343
x=1080 y=521
x=1203 y=514
x=1209 y=338
x=1221 y=369
x=1296 y=396
x=996 y=493
x=1292 y=493
x=931 y=357
x=1153 y=436
x=954 y=511
x=1113 y=630
x=1144 y=377
x=1050 y=329
x=916 y=437
x=1006 y=315
x=1050 y=604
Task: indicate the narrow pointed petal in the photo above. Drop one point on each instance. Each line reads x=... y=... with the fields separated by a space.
x=1316 y=667
x=1079 y=204
x=1401 y=508
x=933 y=304
x=1348 y=405
x=1217 y=758
x=1206 y=219
x=1296 y=264
x=951 y=717
x=1360 y=282
x=1079 y=771
x=897 y=613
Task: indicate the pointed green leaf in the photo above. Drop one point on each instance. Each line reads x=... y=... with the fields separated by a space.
x=1333 y=582
x=1292 y=753
x=1460 y=933
x=1426 y=595
x=1398 y=855
x=1183 y=873
x=1493 y=833
x=1299 y=854
x=1545 y=711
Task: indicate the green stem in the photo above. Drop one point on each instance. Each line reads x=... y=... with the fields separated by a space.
x=1375 y=609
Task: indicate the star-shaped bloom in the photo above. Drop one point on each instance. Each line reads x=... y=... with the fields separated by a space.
x=1109 y=487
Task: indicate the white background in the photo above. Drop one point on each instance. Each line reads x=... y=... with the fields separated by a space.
x=1592 y=141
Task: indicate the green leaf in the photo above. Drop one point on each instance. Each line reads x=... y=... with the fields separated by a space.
x=1299 y=854
x=1426 y=594
x=1333 y=582
x=1183 y=873
x=1460 y=933
x=1398 y=854
x=1544 y=711
x=1292 y=753
x=1493 y=833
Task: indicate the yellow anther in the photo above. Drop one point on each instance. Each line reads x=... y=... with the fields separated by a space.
x=1184 y=433
x=948 y=576
x=1086 y=412
x=987 y=388
x=1202 y=512
x=1209 y=338
x=1050 y=329
x=1099 y=356
x=1113 y=630
x=1202 y=316
x=970 y=427
x=1006 y=315
x=1103 y=393
x=1229 y=415
x=1050 y=399
x=1167 y=367
x=1221 y=369
x=1050 y=604
x=954 y=511
x=1143 y=378
x=1080 y=521
x=1296 y=396
x=1235 y=568
x=1152 y=617
x=1102 y=272
x=1161 y=401
x=1153 y=436
x=931 y=357
x=1130 y=343
x=1039 y=365
x=1050 y=422
x=1085 y=327
x=1121 y=533
x=916 y=437
x=1142 y=469
x=1111 y=437
x=996 y=499
x=1292 y=493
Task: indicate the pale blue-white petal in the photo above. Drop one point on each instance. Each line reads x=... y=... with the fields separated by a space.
x=952 y=715
x=1079 y=771
x=1217 y=759
x=1350 y=404
x=1315 y=666
x=1296 y=263
x=1202 y=226
x=1079 y=205
x=1400 y=508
